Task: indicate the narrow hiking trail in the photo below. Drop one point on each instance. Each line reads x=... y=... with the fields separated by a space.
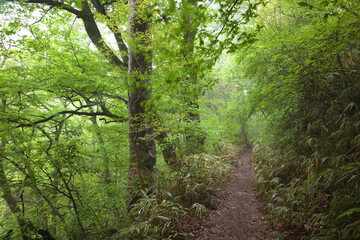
x=240 y=213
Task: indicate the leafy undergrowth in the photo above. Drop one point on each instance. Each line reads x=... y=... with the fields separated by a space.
x=307 y=163
x=308 y=204
x=182 y=193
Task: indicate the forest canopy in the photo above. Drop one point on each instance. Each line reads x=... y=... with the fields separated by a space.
x=121 y=118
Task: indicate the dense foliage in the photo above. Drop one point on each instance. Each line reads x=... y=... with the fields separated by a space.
x=119 y=119
x=101 y=135
x=305 y=68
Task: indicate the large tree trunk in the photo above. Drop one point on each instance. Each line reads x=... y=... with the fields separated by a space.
x=142 y=145
x=141 y=139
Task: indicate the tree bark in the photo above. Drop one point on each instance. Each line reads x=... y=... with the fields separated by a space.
x=139 y=63
x=168 y=150
x=195 y=139
x=142 y=143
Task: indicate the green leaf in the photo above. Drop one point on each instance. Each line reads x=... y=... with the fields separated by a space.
x=348 y=213
x=305 y=4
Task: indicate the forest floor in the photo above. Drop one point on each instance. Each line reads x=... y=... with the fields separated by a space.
x=240 y=212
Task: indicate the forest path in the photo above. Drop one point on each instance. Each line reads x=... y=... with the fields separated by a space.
x=240 y=213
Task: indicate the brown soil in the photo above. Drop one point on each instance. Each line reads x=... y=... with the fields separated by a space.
x=240 y=212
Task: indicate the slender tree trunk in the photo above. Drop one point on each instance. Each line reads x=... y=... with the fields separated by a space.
x=168 y=150
x=11 y=202
x=246 y=140
x=195 y=139
x=7 y=194
x=105 y=158
x=167 y=146
x=26 y=226
x=141 y=139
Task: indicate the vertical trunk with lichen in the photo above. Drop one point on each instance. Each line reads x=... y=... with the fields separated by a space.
x=142 y=143
x=194 y=136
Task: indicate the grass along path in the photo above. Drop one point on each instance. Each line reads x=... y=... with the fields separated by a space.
x=240 y=212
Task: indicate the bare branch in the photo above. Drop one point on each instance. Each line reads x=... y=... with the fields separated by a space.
x=5 y=55
x=48 y=10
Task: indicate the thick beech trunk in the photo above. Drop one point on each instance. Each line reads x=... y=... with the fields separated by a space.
x=141 y=139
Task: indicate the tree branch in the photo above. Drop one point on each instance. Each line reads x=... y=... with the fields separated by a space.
x=91 y=28
x=99 y=8
x=111 y=2
x=5 y=55
x=113 y=96
x=113 y=28
x=94 y=34
x=105 y=113
x=61 y=5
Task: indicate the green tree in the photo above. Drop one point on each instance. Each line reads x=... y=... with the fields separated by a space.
x=74 y=104
x=141 y=133
x=307 y=87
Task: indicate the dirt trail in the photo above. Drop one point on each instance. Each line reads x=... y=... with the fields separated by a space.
x=240 y=213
